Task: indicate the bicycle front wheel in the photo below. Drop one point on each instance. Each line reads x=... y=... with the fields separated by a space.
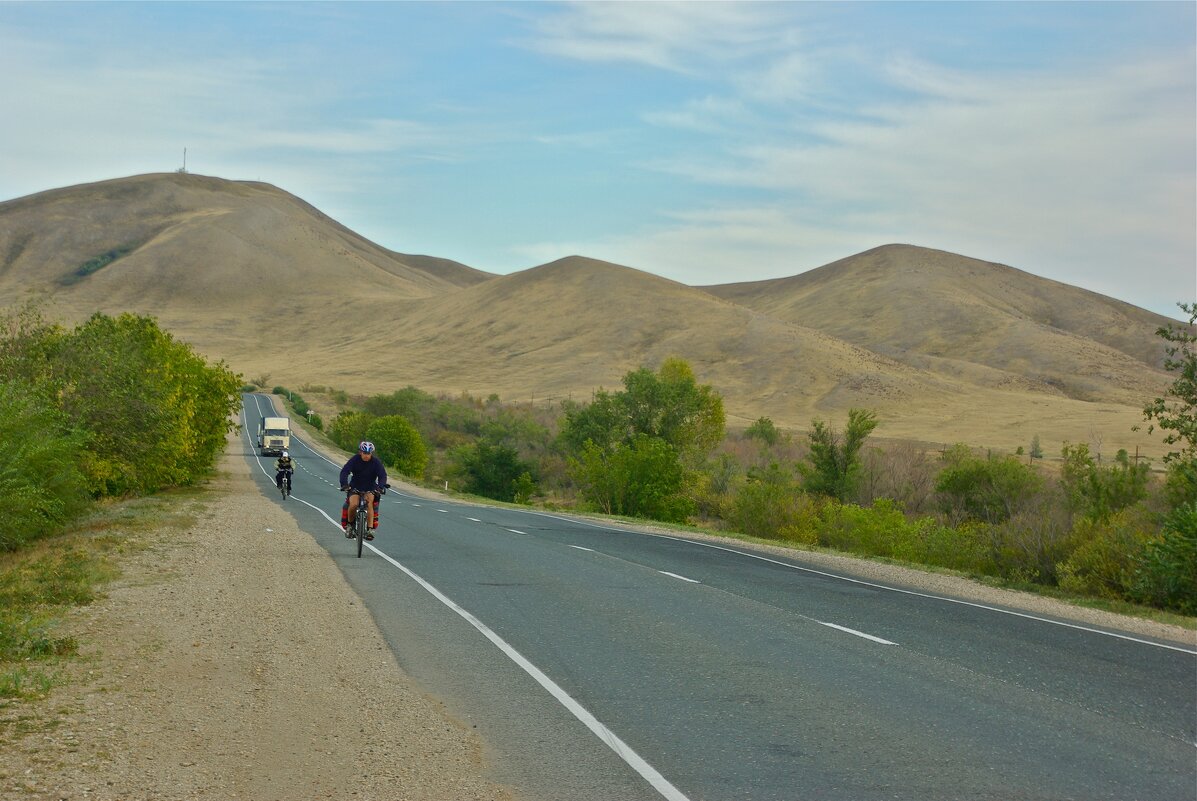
x=360 y=527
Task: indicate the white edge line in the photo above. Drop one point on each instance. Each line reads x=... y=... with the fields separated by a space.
x=625 y=752
x=637 y=763
x=676 y=576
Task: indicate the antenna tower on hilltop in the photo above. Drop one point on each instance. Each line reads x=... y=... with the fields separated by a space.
x=184 y=167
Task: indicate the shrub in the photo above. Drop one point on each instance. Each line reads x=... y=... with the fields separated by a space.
x=772 y=506
x=833 y=465
x=764 y=430
x=1166 y=573
x=41 y=486
x=349 y=428
x=399 y=445
x=642 y=479
x=989 y=490
x=1106 y=554
x=491 y=470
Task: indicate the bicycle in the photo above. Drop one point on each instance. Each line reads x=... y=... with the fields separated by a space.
x=284 y=484
x=360 y=525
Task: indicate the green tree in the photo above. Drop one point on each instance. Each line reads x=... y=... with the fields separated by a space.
x=1166 y=576
x=41 y=486
x=348 y=428
x=988 y=490
x=643 y=478
x=399 y=445
x=764 y=430
x=1036 y=451
x=833 y=465
x=1176 y=412
x=1098 y=492
x=491 y=469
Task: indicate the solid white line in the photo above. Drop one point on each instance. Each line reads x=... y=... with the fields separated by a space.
x=634 y=760
x=854 y=631
x=676 y=576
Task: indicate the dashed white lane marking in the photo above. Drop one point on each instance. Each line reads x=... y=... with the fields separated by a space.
x=476 y=520
x=676 y=576
x=443 y=511
x=852 y=631
x=580 y=548
x=517 y=531
x=634 y=760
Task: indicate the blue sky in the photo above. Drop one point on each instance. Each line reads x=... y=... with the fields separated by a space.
x=703 y=142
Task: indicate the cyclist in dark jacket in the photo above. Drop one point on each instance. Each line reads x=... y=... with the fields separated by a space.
x=365 y=473
x=284 y=467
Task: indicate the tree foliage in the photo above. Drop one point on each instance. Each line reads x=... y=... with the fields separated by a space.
x=399 y=445
x=1176 y=412
x=128 y=408
x=988 y=490
x=1097 y=492
x=493 y=470
x=635 y=452
x=642 y=478
x=833 y=465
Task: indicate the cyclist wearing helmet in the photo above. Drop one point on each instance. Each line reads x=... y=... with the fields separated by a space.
x=363 y=475
x=284 y=468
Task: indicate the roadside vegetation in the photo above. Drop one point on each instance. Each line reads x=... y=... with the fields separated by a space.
x=1104 y=531
x=110 y=410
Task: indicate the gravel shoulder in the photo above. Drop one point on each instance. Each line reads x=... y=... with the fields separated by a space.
x=208 y=674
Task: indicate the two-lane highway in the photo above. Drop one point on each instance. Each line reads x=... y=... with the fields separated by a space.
x=600 y=663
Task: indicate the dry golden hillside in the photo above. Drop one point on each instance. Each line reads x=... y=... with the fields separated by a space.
x=960 y=316
x=944 y=348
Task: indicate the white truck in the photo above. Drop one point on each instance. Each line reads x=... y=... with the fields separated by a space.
x=274 y=435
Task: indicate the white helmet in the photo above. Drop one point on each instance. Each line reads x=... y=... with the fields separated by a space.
x=286 y=455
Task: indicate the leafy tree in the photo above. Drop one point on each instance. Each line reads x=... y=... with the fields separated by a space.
x=41 y=486
x=348 y=428
x=1098 y=492
x=399 y=445
x=1166 y=576
x=833 y=465
x=492 y=470
x=988 y=490
x=1176 y=412
x=604 y=422
x=764 y=430
x=1036 y=451
x=643 y=478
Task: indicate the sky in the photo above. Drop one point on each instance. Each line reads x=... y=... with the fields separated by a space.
x=702 y=142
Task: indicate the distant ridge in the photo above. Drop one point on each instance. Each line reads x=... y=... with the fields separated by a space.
x=944 y=347
x=920 y=306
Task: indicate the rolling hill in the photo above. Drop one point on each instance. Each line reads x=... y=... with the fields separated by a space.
x=944 y=347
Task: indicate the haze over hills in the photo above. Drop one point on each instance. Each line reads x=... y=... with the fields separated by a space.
x=944 y=347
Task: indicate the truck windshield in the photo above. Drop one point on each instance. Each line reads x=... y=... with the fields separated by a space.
x=276 y=432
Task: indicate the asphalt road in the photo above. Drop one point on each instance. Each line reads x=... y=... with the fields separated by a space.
x=605 y=664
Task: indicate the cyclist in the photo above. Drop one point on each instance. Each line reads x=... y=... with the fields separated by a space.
x=369 y=480
x=284 y=468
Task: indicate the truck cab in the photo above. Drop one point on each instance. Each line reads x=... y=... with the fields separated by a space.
x=274 y=435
